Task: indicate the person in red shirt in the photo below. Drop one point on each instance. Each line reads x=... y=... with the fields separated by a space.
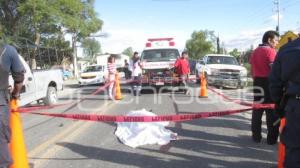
x=182 y=68
x=261 y=61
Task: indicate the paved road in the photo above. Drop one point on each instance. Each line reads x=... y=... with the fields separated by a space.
x=216 y=142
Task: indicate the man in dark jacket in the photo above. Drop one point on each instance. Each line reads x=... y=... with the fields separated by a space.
x=9 y=63
x=285 y=81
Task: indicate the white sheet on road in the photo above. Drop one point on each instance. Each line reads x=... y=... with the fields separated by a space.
x=136 y=134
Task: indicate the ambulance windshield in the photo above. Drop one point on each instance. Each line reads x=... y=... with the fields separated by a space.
x=157 y=55
x=222 y=60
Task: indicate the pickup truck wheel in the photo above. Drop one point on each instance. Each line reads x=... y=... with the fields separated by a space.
x=51 y=97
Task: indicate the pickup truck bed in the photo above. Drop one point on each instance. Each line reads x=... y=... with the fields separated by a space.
x=40 y=85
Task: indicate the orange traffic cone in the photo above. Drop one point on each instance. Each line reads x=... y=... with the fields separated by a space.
x=17 y=145
x=203 y=88
x=281 y=147
x=118 y=95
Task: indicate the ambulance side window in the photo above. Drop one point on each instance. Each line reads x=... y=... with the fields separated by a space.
x=205 y=60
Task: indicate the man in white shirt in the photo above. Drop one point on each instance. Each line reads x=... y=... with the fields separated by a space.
x=136 y=72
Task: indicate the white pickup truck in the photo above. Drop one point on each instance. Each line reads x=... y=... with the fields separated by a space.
x=222 y=71
x=40 y=85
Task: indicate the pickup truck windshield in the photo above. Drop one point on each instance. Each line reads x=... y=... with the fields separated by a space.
x=222 y=60
x=93 y=69
x=157 y=55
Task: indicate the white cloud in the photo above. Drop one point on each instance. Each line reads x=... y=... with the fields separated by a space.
x=245 y=39
x=123 y=38
x=275 y=17
x=136 y=38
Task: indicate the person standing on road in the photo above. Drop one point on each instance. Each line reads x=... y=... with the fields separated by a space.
x=126 y=70
x=112 y=71
x=285 y=87
x=9 y=63
x=261 y=61
x=136 y=73
x=182 y=68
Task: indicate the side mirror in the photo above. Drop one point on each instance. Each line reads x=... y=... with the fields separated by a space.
x=201 y=62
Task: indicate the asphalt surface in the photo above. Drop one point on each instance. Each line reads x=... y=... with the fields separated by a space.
x=206 y=143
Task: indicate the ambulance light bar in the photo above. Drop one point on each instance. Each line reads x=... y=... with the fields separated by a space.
x=160 y=39
x=171 y=43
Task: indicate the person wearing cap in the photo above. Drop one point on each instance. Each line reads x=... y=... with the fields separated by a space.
x=136 y=72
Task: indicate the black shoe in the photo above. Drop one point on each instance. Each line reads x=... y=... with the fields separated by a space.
x=256 y=140
x=271 y=142
x=272 y=138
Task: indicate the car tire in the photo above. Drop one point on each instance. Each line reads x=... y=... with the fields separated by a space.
x=51 y=97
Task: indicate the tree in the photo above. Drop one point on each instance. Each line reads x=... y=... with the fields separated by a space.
x=90 y=48
x=128 y=51
x=9 y=17
x=40 y=16
x=29 y=23
x=201 y=43
x=80 y=19
x=37 y=23
x=246 y=55
x=236 y=53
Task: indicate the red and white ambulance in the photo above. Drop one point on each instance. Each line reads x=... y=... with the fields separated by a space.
x=158 y=59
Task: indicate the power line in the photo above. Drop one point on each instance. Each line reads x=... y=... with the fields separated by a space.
x=290 y=3
x=253 y=16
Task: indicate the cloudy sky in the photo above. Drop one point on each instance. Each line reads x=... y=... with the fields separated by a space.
x=239 y=23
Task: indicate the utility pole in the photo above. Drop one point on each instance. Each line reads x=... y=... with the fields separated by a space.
x=218 y=45
x=75 y=66
x=277 y=3
x=223 y=48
